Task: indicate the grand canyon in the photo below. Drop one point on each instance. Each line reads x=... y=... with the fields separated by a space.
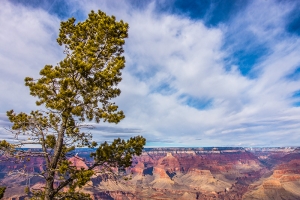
x=178 y=173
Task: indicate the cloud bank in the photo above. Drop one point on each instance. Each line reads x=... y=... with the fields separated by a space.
x=189 y=80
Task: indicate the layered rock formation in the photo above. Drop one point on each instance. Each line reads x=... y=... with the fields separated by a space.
x=283 y=183
x=194 y=173
x=78 y=162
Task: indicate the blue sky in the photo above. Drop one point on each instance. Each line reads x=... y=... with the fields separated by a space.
x=198 y=73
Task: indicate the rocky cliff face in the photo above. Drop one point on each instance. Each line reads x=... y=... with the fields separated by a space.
x=212 y=174
x=283 y=181
x=195 y=173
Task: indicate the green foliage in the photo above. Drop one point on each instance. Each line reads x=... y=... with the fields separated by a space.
x=6 y=148
x=38 y=195
x=120 y=152
x=26 y=190
x=2 y=191
x=4 y=144
x=82 y=177
x=89 y=73
x=74 y=196
x=78 y=88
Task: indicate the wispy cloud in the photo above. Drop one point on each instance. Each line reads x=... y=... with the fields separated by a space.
x=229 y=80
x=110 y=129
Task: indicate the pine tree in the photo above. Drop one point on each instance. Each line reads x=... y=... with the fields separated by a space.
x=2 y=190
x=78 y=89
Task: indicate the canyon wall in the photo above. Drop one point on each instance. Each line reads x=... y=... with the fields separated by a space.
x=182 y=173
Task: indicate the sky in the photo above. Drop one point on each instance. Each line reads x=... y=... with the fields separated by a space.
x=205 y=73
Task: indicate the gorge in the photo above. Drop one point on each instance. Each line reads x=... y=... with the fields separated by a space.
x=179 y=173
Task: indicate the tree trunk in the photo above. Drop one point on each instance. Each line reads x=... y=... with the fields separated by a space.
x=49 y=190
x=49 y=186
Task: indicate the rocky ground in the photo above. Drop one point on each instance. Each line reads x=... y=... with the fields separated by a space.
x=178 y=173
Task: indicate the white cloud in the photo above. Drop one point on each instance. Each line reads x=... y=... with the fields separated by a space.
x=27 y=41
x=168 y=52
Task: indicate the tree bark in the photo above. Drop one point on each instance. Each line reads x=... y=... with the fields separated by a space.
x=49 y=190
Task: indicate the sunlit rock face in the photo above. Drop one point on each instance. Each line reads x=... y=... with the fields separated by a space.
x=138 y=169
x=169 y=163
x=179 y=173
x=78 y=162
x=271 y=184
x=283 y=180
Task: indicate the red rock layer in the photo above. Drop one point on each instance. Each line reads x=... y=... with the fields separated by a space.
x=78 y=162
